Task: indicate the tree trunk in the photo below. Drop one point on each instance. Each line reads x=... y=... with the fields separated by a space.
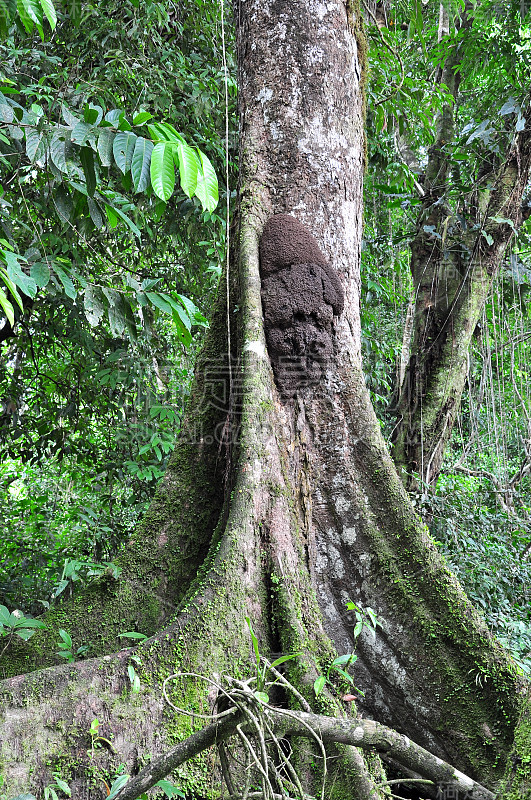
x=453 y=264
x=277 y=505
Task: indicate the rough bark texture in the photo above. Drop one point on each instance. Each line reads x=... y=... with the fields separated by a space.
x=314 y=513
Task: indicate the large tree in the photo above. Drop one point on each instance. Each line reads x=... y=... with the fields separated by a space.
x=467 y=217
x=281 y=502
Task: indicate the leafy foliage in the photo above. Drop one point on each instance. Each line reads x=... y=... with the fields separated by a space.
x=110 y=284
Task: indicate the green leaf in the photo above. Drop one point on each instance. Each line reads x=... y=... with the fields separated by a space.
x=116 y=311
x=22 y=281
x=6 y=618
x=132 y=635
x=169 y=789
x=65 y=636
x=6 y=112
x=207 y=184
x=488 y=238
x=142 y=117
x=342 y=660
x=140 y=164
x=87 y=162
x=164 y=132
x=70 y=118
x=112 y=216
x=162 y=171
x=33 y=140
x=318 y=685
x=57 y=152
x=262 y=696
x=30 y=12
x=29 y=622
x=504 y=221
x=105 y=146
x=160 y=302
x=66 y=280
x=189 y=166
x=183 y=316
x=254 y=639
x=24 y=634
x=120 y=781
x=81 y=132
x=49 y=10
x=284 y=658
x=344 y=674
x=12 y=288
x=129 y=222
x=9 y=311
x=94 y=305
x=64 y=787
x=123 y=149
x=95 y=213
x=195 y=315
x=92 y=114
x=182 y=331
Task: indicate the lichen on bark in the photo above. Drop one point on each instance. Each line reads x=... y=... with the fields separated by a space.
x=304 y=510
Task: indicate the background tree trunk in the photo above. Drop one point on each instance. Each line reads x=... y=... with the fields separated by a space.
x=453 y=263
x=290 y=509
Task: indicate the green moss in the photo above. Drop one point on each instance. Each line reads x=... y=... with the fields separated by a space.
x=516 y=784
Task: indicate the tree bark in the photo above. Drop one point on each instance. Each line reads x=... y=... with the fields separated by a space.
x=277 y=509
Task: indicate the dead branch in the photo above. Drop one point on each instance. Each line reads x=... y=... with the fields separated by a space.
x=363 y=733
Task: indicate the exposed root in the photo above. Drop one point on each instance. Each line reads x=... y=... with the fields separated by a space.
x=245 y=712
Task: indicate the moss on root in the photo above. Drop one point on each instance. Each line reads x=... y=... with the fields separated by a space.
x=516 y=784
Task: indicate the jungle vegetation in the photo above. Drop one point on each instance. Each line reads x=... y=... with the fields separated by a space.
x=115 y=246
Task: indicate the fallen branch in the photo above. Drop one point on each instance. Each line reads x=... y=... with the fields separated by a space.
x=363 y=733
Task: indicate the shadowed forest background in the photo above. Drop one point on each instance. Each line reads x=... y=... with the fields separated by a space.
x=109 y=268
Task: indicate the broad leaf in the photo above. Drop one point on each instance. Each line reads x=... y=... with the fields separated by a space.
x=6 y=112
x=30 y=12
x=19 y=278
x=117 y=785
x=87 y=162
x=207 y=184
x=105 y=146
x=116 y=311
x=160 y=302
x=81 y=132
x=140 y=163
x=123 y=149
x=141 y=118
x=94 y=305
x=162 y=171
x=182 y=331
x=129 y=222
x=40 y=273
x=164 y=132
x=95 y=213
x=33 y=140
x=189 y=165
x=66 y=280
x=8 y=309
x=57 y=152
x=12 y=288
x=49 y=10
